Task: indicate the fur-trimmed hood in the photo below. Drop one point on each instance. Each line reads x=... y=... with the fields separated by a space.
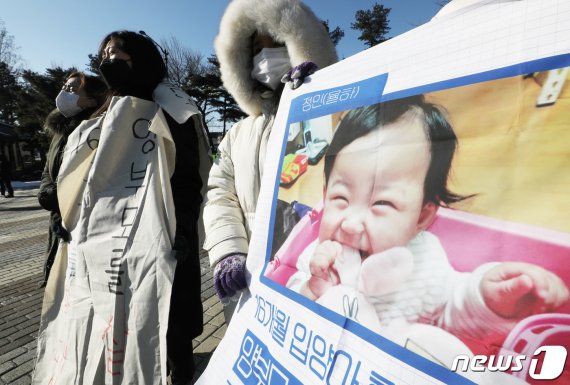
x=287 y=21
x=57 y=124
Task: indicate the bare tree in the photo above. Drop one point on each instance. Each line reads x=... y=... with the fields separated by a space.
x=200 y=78
x=8 y=50
x=183 y=62
x=10 y=72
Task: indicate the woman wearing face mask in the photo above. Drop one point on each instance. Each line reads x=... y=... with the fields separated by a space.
x=132 y=182
x=259 y=42
x=132 y=66
x=79 y=97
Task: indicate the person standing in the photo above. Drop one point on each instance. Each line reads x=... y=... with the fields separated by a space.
x=260 y=42
x=79 y=97
x=132 y=183
x=6 y=177
x=132 y=66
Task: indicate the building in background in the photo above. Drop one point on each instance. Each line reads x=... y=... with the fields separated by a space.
x=10 y=145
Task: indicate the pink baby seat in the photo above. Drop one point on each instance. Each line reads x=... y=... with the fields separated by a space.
x=284 y=263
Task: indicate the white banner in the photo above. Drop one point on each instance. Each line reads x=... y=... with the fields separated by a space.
x=382 y=253
x=105 y=311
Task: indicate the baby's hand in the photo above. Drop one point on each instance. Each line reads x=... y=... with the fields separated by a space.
x=386 y=272
x=516 y=290
x=323 y=272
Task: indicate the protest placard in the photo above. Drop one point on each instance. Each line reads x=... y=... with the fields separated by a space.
x=427 y=241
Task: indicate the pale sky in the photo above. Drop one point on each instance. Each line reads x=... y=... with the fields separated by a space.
x=64 y=32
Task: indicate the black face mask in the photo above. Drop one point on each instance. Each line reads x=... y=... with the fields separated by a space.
x=117 y=74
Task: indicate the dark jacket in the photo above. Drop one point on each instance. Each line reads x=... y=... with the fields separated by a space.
x=59 y=127
x=186 y=303
x=5 y=167
x=185 y=320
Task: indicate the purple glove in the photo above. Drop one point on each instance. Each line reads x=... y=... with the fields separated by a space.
x=229 y=276
x=296 y=75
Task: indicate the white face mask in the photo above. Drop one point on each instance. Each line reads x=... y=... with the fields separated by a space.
x=270 y=65
x=66 y=103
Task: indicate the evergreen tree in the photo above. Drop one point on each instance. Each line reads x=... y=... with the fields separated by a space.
x=9 y=89
x=93 y=65
x=213 y=100
x=35 y=101
x=373 y=24
x=336 y=34
x=226 y=107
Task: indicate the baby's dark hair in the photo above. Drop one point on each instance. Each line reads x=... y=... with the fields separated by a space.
x=439 y=133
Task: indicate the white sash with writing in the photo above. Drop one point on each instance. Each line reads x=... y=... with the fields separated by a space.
x=105 y=311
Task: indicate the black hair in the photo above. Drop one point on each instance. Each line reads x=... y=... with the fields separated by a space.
x=94 y=88
x=148 y=67
x=439 y=133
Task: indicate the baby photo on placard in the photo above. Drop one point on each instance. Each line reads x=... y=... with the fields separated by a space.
x=433 y=219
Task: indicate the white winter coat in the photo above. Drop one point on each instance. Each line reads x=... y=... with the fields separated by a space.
x=233 y=187
x=235 y=178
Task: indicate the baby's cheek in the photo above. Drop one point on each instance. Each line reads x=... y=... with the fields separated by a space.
x=322 y=233
x=326 y=229
x=380 y=244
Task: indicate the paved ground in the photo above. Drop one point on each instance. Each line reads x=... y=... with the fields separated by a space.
x=23 y=225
